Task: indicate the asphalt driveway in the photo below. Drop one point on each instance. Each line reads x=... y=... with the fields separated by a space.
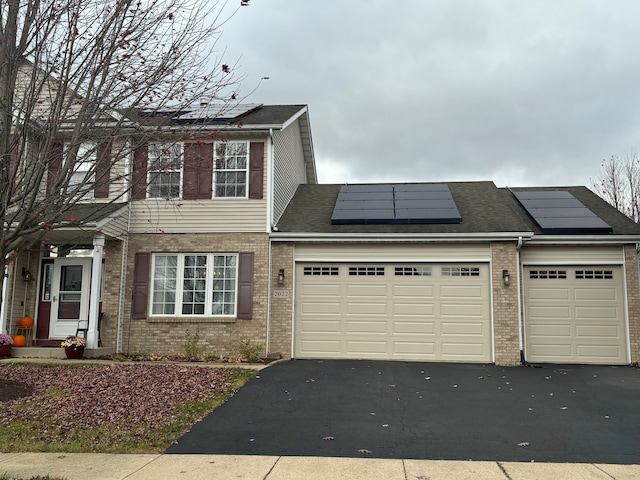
x=429 y=411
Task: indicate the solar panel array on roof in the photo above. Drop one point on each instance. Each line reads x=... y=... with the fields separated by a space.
x=557 y=211
x=218 y=112
x=395 y=203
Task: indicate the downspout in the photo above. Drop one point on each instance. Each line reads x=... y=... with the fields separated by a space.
x=270 y=200
x=5 y=289
x=518 y=286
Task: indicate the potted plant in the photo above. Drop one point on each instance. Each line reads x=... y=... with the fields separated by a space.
x=5 y=344
x=74 y=346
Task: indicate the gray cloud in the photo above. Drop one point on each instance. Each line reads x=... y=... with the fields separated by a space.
x=521 y=93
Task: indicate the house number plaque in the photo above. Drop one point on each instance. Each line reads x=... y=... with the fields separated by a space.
x=281 y=293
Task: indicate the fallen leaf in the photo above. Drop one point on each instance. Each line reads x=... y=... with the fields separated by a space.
x=523 y=444
x=364 y=450
x=423 y=477
x=385 y=425
x=328 y=438
x=564 y=408
x=392 y=386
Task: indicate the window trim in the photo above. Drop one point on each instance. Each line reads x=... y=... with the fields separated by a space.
x=180 y=283
x=88 y=157
x=216 y=170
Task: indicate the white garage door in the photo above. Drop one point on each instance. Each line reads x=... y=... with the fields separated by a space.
x=575 y=315
x=393 y=311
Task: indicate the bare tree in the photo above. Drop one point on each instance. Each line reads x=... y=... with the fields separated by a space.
x=81 y=71
x=619 y=184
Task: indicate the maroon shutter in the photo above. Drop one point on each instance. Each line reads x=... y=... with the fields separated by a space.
x=256 y=169
x=198 y=171
x=103 y=170
x=140 y=285
x=205 y=171
x=55 y=164
x=139 y=177
x=190 y=171
x=245 y=285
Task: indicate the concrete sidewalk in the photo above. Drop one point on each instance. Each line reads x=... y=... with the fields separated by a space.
x=76 y=466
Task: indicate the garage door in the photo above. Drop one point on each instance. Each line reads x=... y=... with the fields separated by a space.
x=402 y=311
x=575 y=315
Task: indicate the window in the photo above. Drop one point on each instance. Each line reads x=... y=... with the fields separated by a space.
x=231 y=169
x=594 y=274
x=83 y=171
x=199 y=284
x=366 y=271
x=321 y=271
x=413 y=271
x=548 y=274
x=460 y=271
x=165 y=170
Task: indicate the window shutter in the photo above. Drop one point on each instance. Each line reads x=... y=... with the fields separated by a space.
x=55 y=164
x=245 y=285
x=256 y=169
x=103 y=170
x=190 y=171
x=140 y=285
x=205 y=171
x=139 y=177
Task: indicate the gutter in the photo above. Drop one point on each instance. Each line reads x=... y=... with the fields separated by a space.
x=395 y=237
x=583 y=239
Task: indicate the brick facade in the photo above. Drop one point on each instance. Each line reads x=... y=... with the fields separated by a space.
x=505 y=304
x=281 y=318
x=633 y=300
x=221 y=336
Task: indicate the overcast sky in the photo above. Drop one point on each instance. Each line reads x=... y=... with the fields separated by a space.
x=523 y=93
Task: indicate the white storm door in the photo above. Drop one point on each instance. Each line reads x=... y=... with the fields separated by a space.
x=70 y=295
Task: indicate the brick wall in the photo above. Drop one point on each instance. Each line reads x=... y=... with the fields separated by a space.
x=633 y=300
x=281 y=306
x=221 y=336
x=505 y=304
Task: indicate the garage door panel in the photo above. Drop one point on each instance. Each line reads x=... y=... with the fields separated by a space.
x=412 y=309
x=596 y=294
x=559 y=293
x=394 y=312
x=366 y=327
x=577 y=319
x=457 y=310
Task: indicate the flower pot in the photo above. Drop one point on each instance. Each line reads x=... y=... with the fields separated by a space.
x=5 y=351
x=74 y=352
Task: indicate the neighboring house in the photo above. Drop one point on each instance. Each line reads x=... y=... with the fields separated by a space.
x=187 y=250
x=226 y=235
x=461 y=272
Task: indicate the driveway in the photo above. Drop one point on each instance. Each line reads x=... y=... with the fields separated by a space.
x=429 y=411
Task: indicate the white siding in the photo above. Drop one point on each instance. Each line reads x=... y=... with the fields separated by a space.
x=392 y=252
x=576 y=255
x=198 y=216
x=288 y=167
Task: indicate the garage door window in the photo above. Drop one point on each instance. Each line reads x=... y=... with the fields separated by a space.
x=366 y=271
x=460 y=271
x=594 y=274
x=413 y=271
x=321 y=271
x=548 y=274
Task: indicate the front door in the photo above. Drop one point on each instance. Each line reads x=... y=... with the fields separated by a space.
x=69 y=295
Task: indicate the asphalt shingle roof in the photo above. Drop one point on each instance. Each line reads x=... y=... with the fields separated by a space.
x=484 y=209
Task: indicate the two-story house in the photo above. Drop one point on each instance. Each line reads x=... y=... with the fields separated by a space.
x=183 y=247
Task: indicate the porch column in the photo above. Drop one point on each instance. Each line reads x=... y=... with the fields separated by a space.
x=5 y=300
x=94 y=299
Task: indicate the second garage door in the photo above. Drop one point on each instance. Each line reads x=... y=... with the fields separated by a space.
x=575 y=315
x=438 y=312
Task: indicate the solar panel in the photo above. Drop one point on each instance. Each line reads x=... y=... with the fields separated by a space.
x=557 y=211
x=391 y=203
x=213 y=111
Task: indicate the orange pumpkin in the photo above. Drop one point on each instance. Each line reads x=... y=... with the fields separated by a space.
x=19 y=340
x=26 y=322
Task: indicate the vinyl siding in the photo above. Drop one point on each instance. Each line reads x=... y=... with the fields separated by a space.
x=572 y=255
x=288 y=167
x=383 y=252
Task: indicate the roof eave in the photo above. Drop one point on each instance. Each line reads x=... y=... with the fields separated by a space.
x=397 y=237
x=583 y=239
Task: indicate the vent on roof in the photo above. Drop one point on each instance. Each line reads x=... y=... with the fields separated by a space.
x=557 y=211
x=395 y=204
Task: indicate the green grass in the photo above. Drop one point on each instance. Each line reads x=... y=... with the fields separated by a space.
x=46 y=435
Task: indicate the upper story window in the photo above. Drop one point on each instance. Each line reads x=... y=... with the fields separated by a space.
x=82 y=171
x=231 y=169
x=165 y=170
